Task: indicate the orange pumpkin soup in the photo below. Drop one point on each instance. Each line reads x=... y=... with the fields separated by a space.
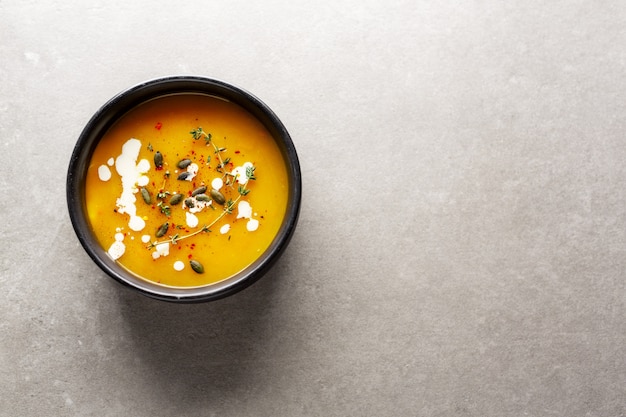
x=186 y=190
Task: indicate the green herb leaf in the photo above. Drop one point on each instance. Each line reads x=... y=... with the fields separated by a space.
x=250 y=172
x=196 y=133
x=230 y=205
x=164 y=209
x=243 y=190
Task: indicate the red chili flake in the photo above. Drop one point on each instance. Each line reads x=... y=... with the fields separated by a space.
x=189 y=256
x=158 y=126
x=237 y=151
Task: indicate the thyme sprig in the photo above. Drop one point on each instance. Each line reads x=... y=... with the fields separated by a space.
x=199 y=133
x=174 y=239
x=162 y=195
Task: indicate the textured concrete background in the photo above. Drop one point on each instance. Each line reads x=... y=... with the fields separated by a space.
x=461 y=249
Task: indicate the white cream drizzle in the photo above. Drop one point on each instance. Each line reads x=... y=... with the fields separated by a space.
x=130 y=171
x=162 y=249
x=117 y=248
x=240 y=173
x=191 y=219
x=244 y=211
x=217 y=183
x=104 y=173
x=192 y=169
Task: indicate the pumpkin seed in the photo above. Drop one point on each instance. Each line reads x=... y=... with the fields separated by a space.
x=189 y=203
x=145 y=195
x=158 y=159
x=196 y=266
x=199 y=190
x=176 y=199
x=183 y=175
x=162 y=229
x=218 y=197
x=183 y=163
x=203 y=197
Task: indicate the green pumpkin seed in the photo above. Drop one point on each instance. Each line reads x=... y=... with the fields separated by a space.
x=162 y=230
x=176 y=199
x=203 y=197
x=196 y=266
x=183 y=163
x=158 y=159
x=218 y=197
x=145 y=195
x=189 y=203
x=199 y=190
x=183 y=175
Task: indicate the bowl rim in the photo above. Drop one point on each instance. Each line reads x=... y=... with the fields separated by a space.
x=117 y=107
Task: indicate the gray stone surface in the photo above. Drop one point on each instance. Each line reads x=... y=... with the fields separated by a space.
x=461 y=249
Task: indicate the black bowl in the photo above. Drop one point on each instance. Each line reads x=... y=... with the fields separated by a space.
x=119 y=105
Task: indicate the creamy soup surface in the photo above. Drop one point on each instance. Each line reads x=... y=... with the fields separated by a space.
x=186 y=190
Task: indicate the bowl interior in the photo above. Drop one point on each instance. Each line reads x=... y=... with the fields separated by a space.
x=121 y=104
